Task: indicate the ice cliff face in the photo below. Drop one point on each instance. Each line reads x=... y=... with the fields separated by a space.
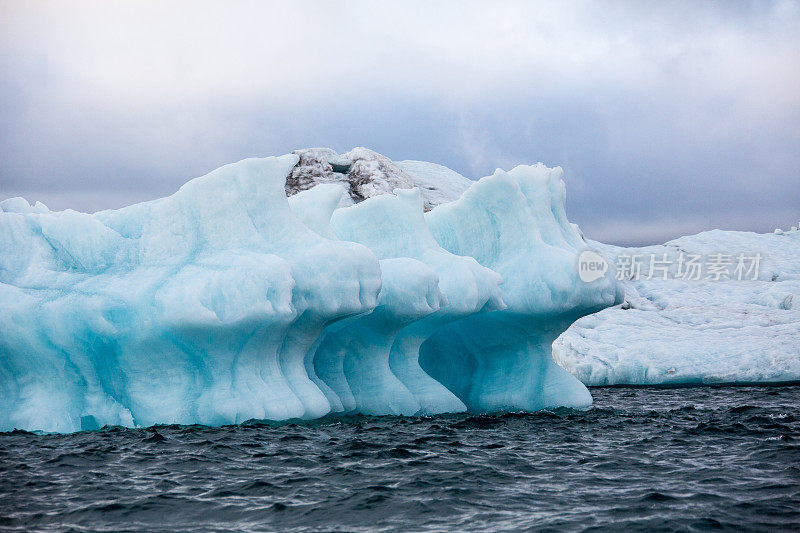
x=695 y=331
x=228 y=301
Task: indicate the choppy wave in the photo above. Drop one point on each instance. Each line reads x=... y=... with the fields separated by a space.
x=672 y=459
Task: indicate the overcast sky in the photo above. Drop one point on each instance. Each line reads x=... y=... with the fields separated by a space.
x=668 y=117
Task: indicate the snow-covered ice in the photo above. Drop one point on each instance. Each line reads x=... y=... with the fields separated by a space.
x=227 y=301
x=678 y=332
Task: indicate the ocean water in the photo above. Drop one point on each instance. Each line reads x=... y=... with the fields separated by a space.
x=640 y=459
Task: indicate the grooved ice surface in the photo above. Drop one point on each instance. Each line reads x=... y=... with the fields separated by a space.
x=227 y=301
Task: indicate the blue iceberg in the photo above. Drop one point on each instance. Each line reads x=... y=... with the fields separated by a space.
x=229 y=301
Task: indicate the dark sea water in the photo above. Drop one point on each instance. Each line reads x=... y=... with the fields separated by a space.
x=640 y=459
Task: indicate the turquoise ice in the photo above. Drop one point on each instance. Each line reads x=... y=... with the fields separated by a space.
x=227 y=301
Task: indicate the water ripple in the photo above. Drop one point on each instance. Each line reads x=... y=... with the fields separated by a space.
x=640 y=459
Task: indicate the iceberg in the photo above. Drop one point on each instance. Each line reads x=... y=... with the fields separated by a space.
x=293 y=287
x=674 y=331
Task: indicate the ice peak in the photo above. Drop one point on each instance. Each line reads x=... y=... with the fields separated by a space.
x=365 y=173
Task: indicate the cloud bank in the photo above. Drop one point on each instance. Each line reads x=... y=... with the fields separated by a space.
x=667 y=118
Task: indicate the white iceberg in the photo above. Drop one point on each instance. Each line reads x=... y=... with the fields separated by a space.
x=696 y=331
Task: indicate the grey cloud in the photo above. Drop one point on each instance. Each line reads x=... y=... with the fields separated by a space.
x=667 y=119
